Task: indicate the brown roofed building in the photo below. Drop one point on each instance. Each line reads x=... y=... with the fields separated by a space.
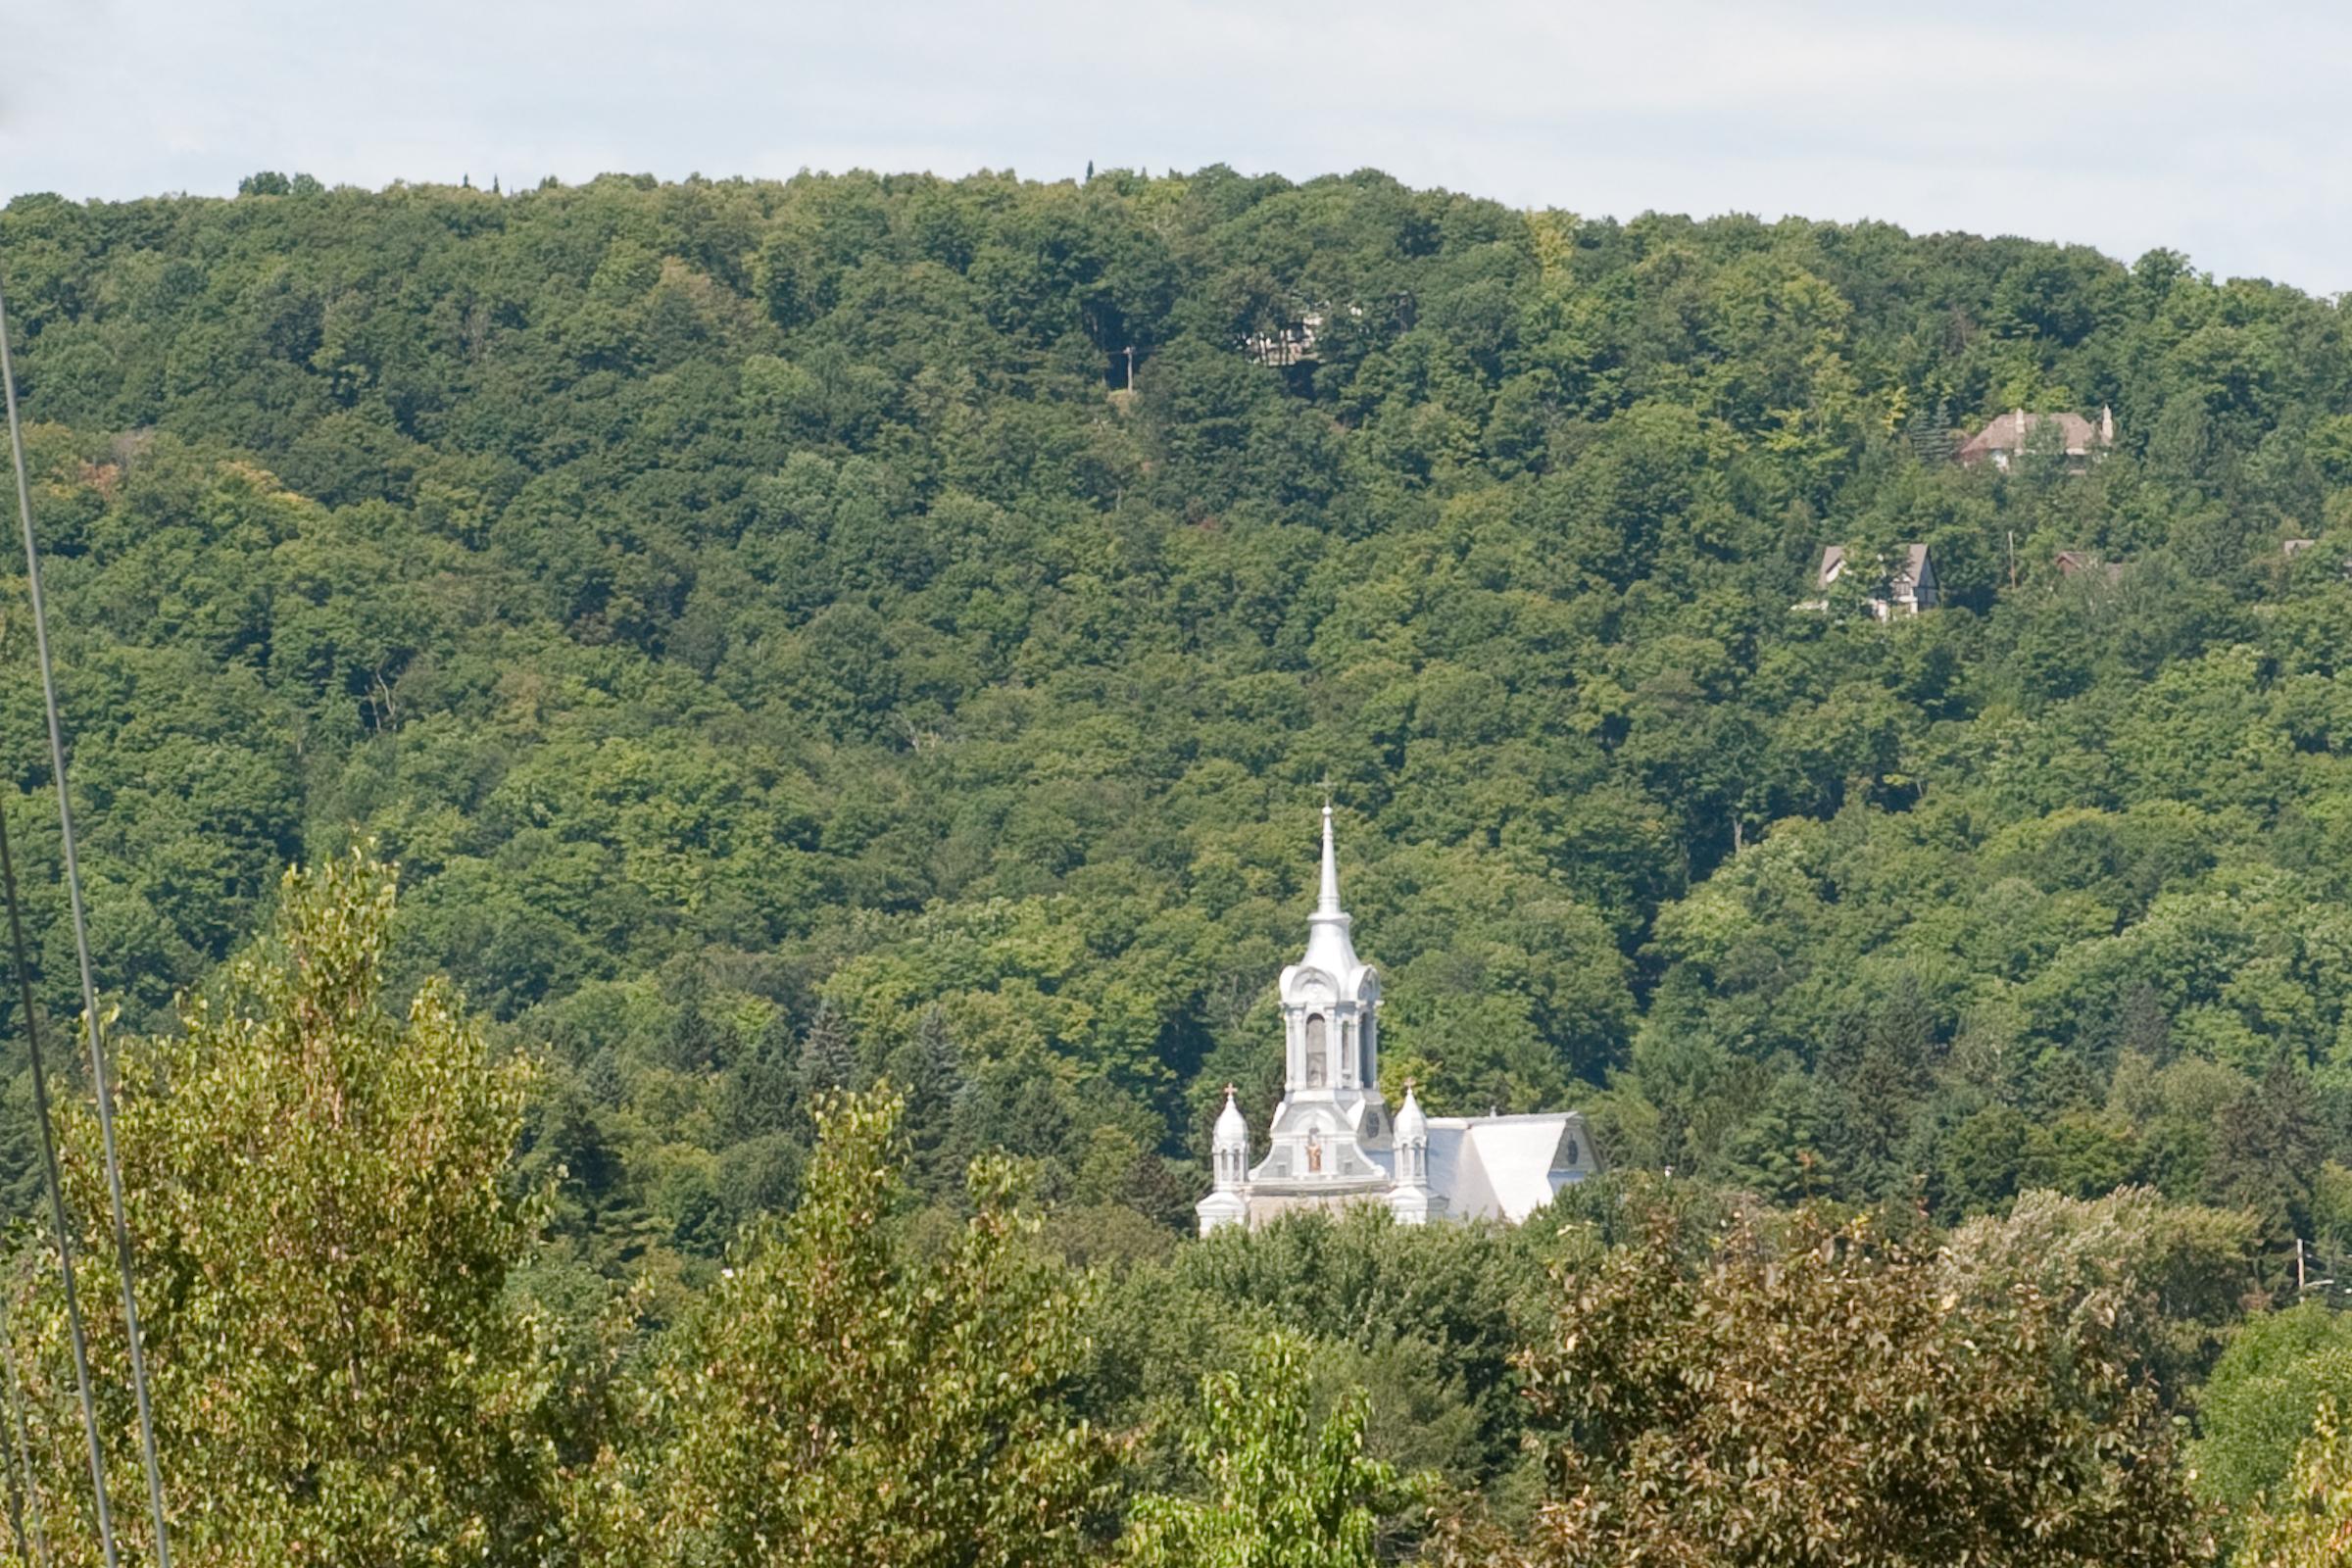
x=2009 y=435
x=2083 y=563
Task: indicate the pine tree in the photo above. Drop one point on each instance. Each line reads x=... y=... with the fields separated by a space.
x=695 y=1042
x=828 y=1062
x=763 y=1090
x=928 y=1073
x=2266 y=1145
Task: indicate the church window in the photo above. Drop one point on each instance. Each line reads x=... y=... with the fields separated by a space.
x=1316 y=1052
x=1364 y=1073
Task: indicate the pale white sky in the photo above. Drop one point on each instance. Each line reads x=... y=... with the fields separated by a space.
x=2220 y=130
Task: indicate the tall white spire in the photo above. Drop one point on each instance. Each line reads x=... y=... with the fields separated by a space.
x=1329 y=946
x=1329 y=903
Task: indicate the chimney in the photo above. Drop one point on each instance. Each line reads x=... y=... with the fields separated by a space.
x=2020 y=416
x=2106 y=425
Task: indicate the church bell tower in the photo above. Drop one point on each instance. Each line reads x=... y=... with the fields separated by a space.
x=1330 y=1117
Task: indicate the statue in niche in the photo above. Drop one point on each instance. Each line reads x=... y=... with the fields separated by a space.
x=1317 y=1052
x=1314 y=1152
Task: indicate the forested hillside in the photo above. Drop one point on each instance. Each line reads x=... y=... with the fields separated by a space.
x=783 y=652
x=774 y=643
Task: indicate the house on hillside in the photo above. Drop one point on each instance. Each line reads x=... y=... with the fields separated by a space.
x=1292 y=343
x=2087 y=563
x=2010 y=436
x=1908 y=587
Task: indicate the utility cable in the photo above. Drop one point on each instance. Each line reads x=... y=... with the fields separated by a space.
x=56 y=1187
x=89 y=988
x=24 y=1497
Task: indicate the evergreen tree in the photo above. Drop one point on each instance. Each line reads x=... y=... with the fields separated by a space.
x=829 y=1056
x=696 y=1044
x=927 y=1073
x=763 y=1088
x=2266 y=1148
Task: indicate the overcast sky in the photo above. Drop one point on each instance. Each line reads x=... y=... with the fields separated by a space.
x=2121 y=127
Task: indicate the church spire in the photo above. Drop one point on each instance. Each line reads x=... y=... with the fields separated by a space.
x=1329 y=903
x=1327 y=944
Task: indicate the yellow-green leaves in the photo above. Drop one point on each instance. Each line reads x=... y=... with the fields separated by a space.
x=323 y=1217
x=839 y=1398
x=1279 y=1489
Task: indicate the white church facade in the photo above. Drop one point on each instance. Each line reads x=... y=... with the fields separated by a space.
x=1332 y=1142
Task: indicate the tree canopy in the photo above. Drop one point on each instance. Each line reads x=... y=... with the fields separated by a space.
x=786 y=661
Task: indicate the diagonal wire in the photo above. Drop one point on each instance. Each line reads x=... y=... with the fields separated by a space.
x=24 y=1497
x=56 y=1187
x=89 y=989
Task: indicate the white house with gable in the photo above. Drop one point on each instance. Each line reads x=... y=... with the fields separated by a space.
x=1332 y=1141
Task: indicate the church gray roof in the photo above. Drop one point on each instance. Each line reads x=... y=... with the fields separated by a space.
x=1507 y=1167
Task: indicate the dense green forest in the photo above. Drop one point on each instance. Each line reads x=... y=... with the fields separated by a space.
x=859 y=631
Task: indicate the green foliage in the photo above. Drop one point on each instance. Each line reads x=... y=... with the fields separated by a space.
x=1418 y=1323
x=1279 y=1490
x=324 y=1230
x=2265 y=1393
x=1820 y=1394
x=837 y=1398
x=784 y=656
x=2309 y=1525
x=758 y=611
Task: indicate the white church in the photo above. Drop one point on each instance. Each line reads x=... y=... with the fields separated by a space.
x=1333 y=1142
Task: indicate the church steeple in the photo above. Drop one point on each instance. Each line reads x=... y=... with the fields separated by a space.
x=1330 y=945
x=1329 y=903
x=1330 y=1001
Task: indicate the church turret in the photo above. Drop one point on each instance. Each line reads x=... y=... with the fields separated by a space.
x=1412 y=1143
x=1230 y=1144
x=1330 y=998
x=1411 y=1200
x=1331 y=1145
x=1229 y=1156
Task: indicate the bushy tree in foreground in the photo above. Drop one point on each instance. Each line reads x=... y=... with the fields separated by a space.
x=323 y=1222
x=2160 y=1281
x=2258 y=1409
x=2309 y=1523
x=1820 y=1397
x=1283 y=1490
x=839 y=1398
